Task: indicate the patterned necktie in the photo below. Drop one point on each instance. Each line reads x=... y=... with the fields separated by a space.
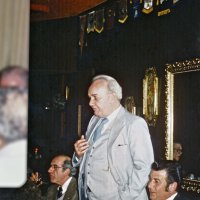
x=97 y=132
x=59 y=194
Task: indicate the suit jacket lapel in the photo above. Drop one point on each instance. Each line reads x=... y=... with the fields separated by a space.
x=70 y=190
x=94 y=123
x=52 y=191
x=117 y=125
x=92 y=126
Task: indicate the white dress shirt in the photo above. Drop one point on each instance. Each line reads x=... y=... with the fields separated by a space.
x=65 y=185
x=111 y=118
x=172 y=197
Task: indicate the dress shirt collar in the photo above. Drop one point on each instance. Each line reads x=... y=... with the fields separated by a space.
x=111 y=117
x=113 y=114
x=65 y=185
x=172 y=197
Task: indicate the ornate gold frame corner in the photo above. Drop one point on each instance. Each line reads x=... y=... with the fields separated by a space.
x=150 y=96
x=171 y=70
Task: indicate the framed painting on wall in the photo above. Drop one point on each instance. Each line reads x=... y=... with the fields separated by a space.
x=150 y=96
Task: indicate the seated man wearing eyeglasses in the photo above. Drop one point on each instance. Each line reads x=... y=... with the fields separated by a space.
x=64 y=185
x=177 y=151
x=165 y=181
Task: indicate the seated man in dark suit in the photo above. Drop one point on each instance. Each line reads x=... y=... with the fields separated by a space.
x=64 y=186
x=165 y=181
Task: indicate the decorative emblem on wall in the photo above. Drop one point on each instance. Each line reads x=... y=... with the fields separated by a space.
x=150 y=96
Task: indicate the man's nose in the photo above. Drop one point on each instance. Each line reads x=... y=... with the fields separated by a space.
x=91 y=102
x=149 y=185
x=50 y=169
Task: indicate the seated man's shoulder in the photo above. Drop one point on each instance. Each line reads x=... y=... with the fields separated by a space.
x=52 y=187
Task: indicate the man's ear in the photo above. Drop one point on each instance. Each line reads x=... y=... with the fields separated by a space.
x=67 y=171
x=172 y=187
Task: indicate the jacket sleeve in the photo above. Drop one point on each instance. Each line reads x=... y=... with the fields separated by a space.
x=142 y=156
x=75 y=161
x=139 y=157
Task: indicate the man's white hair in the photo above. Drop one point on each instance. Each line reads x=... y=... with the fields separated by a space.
x=113 y=85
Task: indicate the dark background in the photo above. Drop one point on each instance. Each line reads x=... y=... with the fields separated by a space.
x=124 y=52
x=187 y=118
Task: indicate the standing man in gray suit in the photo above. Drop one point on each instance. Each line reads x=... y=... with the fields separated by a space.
x=116 y=165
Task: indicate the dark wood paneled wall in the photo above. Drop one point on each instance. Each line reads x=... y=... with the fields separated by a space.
x=123 y=52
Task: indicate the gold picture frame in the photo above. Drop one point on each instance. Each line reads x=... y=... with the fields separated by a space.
x=150 y=96
x=171 y=70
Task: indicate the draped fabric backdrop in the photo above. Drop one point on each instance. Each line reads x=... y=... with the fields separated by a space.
x=14 y=32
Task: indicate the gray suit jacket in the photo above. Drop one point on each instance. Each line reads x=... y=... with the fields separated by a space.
x=71 y=193
x=130 y=154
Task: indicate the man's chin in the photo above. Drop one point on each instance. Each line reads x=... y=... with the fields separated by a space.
x=97 y=114
x=177 y=159
x=153 y=196
x=52 y=180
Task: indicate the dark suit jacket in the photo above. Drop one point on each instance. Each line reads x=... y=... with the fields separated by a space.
x=70 y=194
x=181 y=197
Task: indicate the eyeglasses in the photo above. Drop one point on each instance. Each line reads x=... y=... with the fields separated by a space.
x=54 y=166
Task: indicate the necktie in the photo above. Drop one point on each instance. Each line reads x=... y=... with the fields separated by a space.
x=59 y=194
x=97 y=132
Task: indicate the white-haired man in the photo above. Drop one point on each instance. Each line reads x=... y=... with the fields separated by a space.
x=114 y=161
